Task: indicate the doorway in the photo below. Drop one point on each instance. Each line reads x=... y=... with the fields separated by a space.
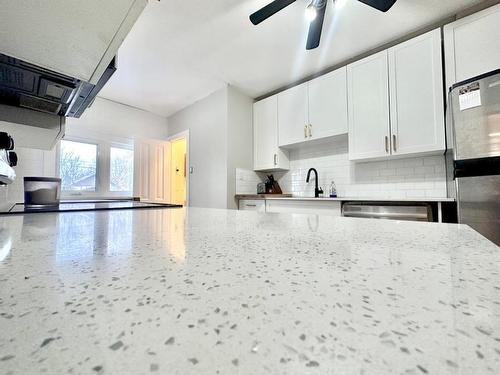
x=161 y=169
x=178 y=171
x=179 y=168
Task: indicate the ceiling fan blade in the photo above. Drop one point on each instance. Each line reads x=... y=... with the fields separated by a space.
x=315 y=29
x=382 y=5
x=270 y=9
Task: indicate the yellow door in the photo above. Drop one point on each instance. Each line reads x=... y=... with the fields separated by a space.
x=178 y=171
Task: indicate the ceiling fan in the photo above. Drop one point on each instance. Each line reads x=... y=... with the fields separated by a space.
x=315 y=13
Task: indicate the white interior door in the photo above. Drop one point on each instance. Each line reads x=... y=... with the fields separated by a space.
x=152 y=170
x=368 y=92
x=328 y=104
x=417 y=102
x=293 y=116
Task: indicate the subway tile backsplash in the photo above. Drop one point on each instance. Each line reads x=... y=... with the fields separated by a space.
x=417 y=177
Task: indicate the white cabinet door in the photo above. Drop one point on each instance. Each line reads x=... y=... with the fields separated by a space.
x=416 y=92
x=293 y=115
x=472 y=45
x=328 y=104
x=267 y=155
x=304 y=207
x=368 y=93
x=252 y=205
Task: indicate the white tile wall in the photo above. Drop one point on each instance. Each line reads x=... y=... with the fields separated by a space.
x=31 y=162
x=246 y=181
x=416 y=177
x=401 y=178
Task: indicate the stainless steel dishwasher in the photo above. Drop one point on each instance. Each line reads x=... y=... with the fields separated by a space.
x=389 y=211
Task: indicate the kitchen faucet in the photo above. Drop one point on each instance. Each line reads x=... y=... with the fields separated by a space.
x=317 y=191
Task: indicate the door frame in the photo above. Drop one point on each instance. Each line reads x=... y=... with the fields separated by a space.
x=184 y=134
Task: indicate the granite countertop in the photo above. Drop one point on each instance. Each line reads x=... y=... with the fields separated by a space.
x=341 y=199
x=205 y=291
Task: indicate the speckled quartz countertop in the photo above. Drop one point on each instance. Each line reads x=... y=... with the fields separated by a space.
x=201 y=291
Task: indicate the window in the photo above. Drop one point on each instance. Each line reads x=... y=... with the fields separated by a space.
x=78 y=166
x=96 y=168
x=121 y=173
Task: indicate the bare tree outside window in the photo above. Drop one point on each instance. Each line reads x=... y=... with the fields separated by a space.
x=77 y=166
x=121 y=169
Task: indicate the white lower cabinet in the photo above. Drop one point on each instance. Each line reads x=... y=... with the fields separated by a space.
x=252 y=205
x=304 y=207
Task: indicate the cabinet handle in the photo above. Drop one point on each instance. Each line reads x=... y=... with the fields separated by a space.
x=386 y=144
x=310 y=131
x=251 y=205
x=394 y=142
x=305 y=131
x=275 y=159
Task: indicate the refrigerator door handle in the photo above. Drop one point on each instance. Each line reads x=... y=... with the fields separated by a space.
x=477 y=167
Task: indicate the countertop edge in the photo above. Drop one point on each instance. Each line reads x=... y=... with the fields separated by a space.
x=341 y=199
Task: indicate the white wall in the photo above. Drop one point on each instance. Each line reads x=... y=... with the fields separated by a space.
x=207 y=124
x=239 y=140
x=418 y=177
x=104 y=120
x=221 y=138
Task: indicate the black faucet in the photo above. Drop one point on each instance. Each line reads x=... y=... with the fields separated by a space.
x=317 y=191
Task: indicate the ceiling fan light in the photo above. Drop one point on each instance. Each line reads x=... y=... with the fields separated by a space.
x=311 y=12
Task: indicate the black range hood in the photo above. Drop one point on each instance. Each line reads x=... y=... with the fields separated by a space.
x=28 y=86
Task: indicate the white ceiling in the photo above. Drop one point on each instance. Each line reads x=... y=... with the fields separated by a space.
x=181 y=51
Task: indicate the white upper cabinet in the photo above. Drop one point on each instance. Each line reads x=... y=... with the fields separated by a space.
x=327 y=97
x=267 y=154
x=472 y=45
x=396 y=102
x=416 y=95
x=75 y=38
x=313 y=110
x=368 y=98
x=293 y=116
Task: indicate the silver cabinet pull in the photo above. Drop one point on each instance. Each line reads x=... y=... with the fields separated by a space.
x=275 y=159
x=305 y=131
x=251 y=205
x=394 y=142
x=386 y=144
x=310 y=131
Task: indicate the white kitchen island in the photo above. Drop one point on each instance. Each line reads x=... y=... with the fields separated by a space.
x=205 y=291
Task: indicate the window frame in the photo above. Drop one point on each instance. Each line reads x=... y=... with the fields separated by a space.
x=103 y=167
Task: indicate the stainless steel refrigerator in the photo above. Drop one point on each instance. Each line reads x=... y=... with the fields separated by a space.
x=473 y=155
